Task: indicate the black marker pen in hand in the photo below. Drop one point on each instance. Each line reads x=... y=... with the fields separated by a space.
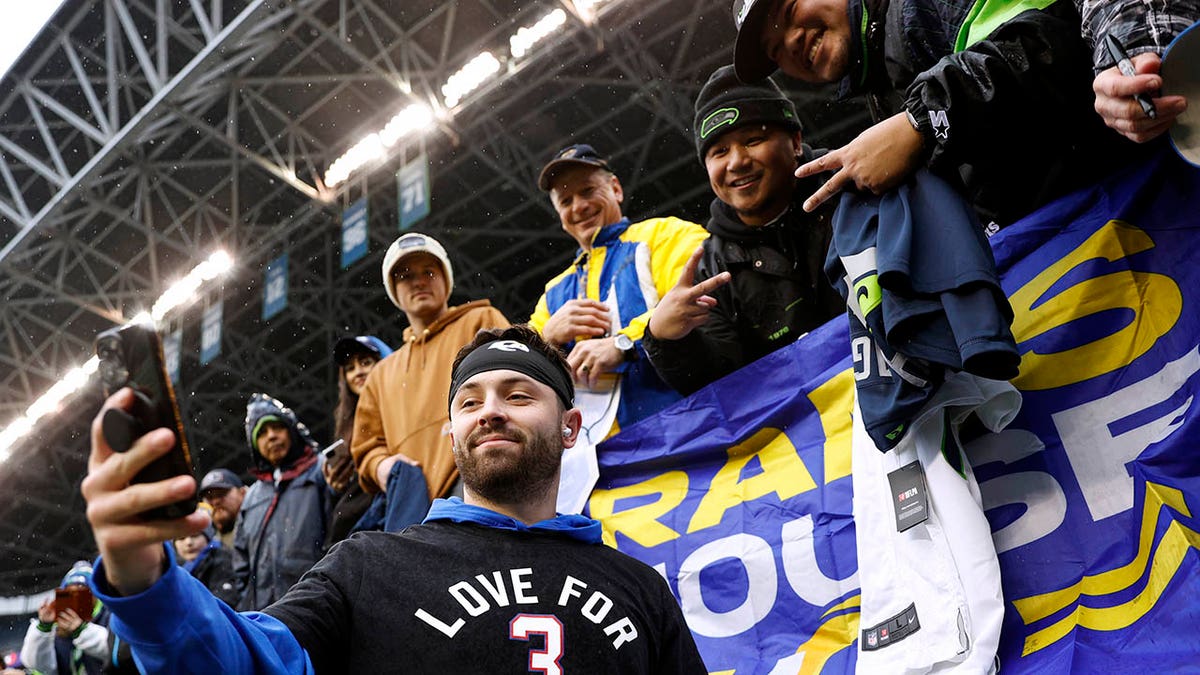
x=1117 y=51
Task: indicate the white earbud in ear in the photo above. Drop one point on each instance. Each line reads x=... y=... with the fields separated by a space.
x=566 y=432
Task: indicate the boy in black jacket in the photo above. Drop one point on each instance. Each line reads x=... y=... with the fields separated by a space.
x=762 y=263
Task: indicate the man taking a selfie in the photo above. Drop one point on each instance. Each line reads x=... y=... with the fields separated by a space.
x=495 y=582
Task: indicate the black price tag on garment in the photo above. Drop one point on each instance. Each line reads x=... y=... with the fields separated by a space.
x=909 y=497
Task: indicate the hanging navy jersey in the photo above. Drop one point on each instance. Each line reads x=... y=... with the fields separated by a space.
x=923 y=296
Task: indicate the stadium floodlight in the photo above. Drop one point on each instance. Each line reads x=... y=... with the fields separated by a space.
x=469 y=77
x=70 y=383
x=526 y=37
x=478 y=70
x=587 y=9
x=50 y=402
x=13 y=433
x=414 y=118
x=185 y=289
x=366 y=150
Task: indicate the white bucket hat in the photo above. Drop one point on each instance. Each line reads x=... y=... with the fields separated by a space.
x=406 y=245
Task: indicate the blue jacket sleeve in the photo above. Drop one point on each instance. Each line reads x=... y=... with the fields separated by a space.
x=177 y=626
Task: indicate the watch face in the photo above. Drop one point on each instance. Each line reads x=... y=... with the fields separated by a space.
x=624 y=342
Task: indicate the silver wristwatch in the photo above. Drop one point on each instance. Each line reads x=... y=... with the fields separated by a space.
x=625 y=343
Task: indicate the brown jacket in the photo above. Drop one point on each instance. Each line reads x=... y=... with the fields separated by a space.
x=403 y=405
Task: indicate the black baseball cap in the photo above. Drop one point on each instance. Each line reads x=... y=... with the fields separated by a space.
x=346 y=347
x=573 y=155
x=220 y=478
x=750 y=59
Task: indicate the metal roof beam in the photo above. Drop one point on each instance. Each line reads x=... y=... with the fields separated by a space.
x=213 y=51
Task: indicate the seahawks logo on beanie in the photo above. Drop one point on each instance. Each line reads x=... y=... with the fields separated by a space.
x=717 y=119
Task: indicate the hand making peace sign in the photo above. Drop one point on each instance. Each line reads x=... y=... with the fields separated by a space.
x=687 y=304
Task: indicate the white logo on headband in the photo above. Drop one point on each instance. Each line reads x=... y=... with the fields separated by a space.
x=508 y=346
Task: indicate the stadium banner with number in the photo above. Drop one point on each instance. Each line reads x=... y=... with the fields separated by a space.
x=275 y=290
x=740 y=495
x=210 y=332
x=412 y=187
x=354 y=232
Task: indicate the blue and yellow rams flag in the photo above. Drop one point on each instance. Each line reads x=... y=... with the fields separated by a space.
x=740 y=495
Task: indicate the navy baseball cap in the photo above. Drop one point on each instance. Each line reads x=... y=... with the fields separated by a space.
x=572 y=155
x=362 y=344
x=220 y=478
x=750 y=60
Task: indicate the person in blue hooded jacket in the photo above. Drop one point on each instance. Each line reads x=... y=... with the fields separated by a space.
x=493 y=583
x=281 y=525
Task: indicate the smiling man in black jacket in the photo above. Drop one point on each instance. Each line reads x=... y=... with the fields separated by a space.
x=756 y=284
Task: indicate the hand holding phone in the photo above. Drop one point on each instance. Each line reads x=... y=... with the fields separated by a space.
x=131 y=356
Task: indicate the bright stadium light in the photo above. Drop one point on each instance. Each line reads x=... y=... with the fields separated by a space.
x=416 y=117
x=72 y=382
x=587 y=9
x=50 y=402
x=369 y=148
x=526 y=37
x=13 y=433
x=185 y=289
x=469 y=77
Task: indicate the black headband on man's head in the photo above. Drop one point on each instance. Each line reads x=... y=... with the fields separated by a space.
x=514 y=355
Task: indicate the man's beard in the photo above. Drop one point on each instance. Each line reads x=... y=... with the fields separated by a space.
x=223 y=524
x=510 y=479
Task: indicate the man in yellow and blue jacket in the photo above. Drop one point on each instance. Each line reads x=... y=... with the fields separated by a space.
x=597 y=309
